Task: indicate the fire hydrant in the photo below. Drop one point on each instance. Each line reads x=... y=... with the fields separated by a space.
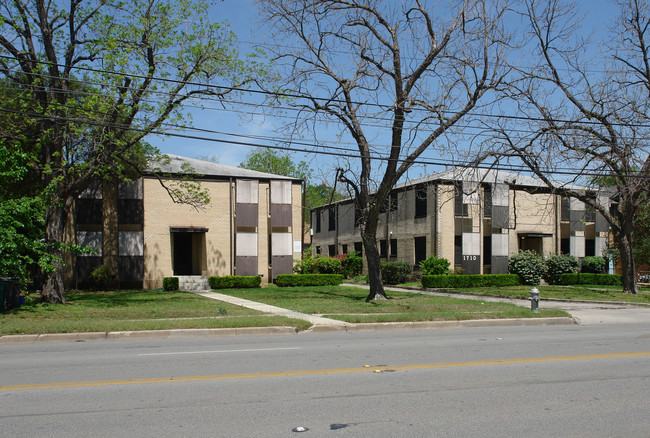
x=534 y=300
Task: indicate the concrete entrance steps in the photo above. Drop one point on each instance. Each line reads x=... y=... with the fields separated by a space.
x=193 y=282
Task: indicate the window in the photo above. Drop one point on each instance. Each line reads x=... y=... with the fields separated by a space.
x=565 y=246
x=460 y=208
x=383 y=248
x=393 y=247
x=332 y=219
x=318 y=221
x=590 y=247
x=358 y=247
x=458 y=250
x=344 y=249
x=565 y=209
x=487 y=250
x=318 y=250
x=420 y=249
x=332 y=250
x=487 y=201
x=421 y=201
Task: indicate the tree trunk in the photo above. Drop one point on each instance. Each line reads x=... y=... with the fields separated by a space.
x=624 y=242
x=53 y=286
x=374 y=268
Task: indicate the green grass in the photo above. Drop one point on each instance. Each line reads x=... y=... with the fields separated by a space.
x=348 y=304
x=133 y=310
x=577 y=292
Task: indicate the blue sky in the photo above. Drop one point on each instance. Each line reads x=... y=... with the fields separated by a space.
x=242 y=16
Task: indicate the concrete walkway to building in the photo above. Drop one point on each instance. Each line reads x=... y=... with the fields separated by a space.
x=266 y=308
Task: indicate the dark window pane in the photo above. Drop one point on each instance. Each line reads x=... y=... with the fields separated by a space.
x=89 y=211
x=458 y=250
x=487 y=201
x=358 y=247
x=130 y=211
x=383 y=248
x=332 y=250
x=332 y=219
x=421 y=202
x=318 y=221
x=393 y=247
x=420 y=249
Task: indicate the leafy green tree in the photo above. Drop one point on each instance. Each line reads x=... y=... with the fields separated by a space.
x=89 y=80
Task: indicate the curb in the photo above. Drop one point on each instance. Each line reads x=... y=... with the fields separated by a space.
x=243 y=331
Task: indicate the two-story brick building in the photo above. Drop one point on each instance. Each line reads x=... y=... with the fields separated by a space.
x=252 y=225
x=474 y=218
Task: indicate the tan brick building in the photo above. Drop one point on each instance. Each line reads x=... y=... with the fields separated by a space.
x=474 y=218
x=253 y=225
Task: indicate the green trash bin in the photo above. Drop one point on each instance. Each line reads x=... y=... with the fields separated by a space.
x=9 y=291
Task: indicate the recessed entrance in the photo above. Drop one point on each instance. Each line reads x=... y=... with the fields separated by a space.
x=188 y=246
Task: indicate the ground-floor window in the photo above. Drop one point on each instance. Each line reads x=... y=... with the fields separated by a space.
x=420 y=249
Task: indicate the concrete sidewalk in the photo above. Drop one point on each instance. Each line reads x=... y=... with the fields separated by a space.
x=266 y=308
x=583 y=312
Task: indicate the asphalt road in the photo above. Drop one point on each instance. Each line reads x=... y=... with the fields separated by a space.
x=500 y=381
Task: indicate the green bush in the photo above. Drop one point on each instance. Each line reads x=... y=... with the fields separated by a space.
x=593 y=265
x=100 y=278
x=288 y=280
x=395 y=272
x=589 y=278
x=435 y=266
x=170 y=283
x=328 y=265
x=528 y=265
x=352 y=265
x=470 y=280
x=559 y=264
x=235 y=281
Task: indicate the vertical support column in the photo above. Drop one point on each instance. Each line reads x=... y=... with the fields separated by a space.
x=111 y=245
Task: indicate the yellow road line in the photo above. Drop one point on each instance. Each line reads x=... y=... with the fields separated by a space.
x=322 y=371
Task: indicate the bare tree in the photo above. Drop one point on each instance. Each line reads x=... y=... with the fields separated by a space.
x=395 y=77
x=585 y=107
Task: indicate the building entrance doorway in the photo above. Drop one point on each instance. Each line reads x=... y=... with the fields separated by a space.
x=188 y=252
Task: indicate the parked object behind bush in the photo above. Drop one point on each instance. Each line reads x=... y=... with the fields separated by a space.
x=528 y=265
x=395 y=272
x=352 y=265
x=170 y=283
x=593 y=265
x=288 y=280
x=589 y=278
x=559 y=264
x=435 y=266
x=470 y=280
x=235 y=281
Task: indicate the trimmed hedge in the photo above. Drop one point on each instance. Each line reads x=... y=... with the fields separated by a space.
x=593 y=265
x=288 y=280
x=559 y=264
x=470 y=280
x=170 y=283
x=588 y=278
x=235 y=281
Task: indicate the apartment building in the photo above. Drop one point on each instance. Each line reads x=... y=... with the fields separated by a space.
x=253 y=225
x=475 y=218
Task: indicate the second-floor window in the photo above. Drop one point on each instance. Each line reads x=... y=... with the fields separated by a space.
x=332 y=219
x=421 y=202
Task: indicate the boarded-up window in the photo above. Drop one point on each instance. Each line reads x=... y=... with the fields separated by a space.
x=282 y=254
x=247 y=197
x=280 y=203
x=246 y=254
x=90 y=239
x=131 y=243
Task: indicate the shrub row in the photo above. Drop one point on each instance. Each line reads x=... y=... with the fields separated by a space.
x=288 y=280
x=589 y=278
x=235 y=281
x=470 y=280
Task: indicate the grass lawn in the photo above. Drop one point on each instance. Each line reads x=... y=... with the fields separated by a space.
x=348 y=304
x=577 y=292
x=133 y=310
